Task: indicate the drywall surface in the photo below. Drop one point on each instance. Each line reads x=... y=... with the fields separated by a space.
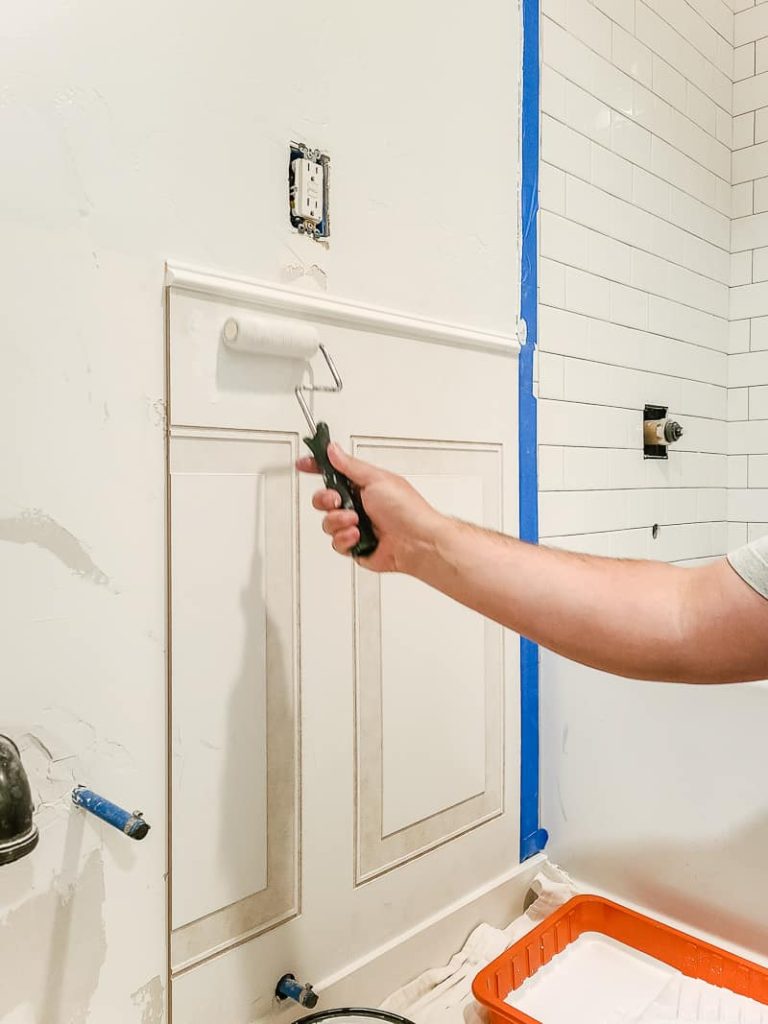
x=748 y=361
x=133 y=135
x=652 y=791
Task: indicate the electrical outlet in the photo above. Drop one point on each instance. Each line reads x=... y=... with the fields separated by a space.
x=308 y=174
x=309 y=189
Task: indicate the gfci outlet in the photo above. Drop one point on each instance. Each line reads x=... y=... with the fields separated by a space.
x=308 y=174
x=309 y=190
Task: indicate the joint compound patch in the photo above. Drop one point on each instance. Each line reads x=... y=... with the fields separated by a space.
x=150 y=999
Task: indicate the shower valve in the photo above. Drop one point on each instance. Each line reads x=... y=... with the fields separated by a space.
x=659 y=431
x=663 y=431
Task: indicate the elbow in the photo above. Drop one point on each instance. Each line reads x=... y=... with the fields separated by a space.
x=711 y=643
x=680 y=642
x=689 y=657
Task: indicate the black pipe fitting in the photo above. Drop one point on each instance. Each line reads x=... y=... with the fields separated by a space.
x=18 y=832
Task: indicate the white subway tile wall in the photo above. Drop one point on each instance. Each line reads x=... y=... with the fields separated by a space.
x=654 y=289
x=637 y=196
x=748 y=361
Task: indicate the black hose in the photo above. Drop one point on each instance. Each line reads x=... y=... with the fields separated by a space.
x=353 y=1011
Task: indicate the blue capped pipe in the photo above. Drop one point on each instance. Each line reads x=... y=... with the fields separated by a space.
x=289 y=988
x=132 y=824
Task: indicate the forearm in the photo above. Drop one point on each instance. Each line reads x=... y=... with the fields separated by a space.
x=645 y=620
x=631 y=618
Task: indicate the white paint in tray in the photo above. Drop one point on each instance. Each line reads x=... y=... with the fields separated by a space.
x=597 y=980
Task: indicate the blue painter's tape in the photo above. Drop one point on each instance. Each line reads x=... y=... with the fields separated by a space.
x=533 y=838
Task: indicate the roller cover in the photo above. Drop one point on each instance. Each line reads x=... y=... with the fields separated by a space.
x=270 y=336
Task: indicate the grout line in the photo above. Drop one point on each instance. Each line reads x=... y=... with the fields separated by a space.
x=682 y=35
x=632 y=408
x=605 y=103
x=747 y=216
x=667 y=488
x=731 y=13
x=625 y=408
x=632 y=163
x=674 y=489
x=641 y=291
x=642 y=330
x=637 y=529
x=630 y=202
x=638 y=248
x=652 y=134
x=625 y=448
x=639 y=369
x=658 y=56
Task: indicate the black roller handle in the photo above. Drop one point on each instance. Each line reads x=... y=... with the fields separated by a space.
x=345 y=488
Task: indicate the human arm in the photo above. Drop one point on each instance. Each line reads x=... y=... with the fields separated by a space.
x=641 y=619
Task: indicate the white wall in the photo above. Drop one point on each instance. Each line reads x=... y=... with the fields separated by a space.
x=132 y=135
x=748 y=362
x=652 y=791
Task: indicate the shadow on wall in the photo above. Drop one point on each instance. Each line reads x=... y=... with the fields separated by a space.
x=246 y=702
x=658 y=793
x=53 y=946
x=687 y=882
x=258 y=756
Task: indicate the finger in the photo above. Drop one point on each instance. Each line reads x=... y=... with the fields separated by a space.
x=359 y=472
x=306 y=464
x=326 y=500
x=334 y=522
x=345 y=540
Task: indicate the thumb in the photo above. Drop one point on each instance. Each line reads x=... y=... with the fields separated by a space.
x=359 y=472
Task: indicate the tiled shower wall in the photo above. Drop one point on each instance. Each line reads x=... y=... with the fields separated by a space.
x=655 y=792
x=748 y=363
x=635 y=270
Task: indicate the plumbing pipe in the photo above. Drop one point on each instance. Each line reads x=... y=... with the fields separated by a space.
x=132 y=824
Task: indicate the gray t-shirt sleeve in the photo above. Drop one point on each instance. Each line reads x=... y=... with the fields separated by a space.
x=751 y=563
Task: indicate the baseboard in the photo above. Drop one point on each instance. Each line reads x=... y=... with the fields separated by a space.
x=368 y=981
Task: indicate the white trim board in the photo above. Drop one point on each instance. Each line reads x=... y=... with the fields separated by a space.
x=336 y=312
x=369 y=980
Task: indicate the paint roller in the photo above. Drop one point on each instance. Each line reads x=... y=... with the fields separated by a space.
x=291 y=339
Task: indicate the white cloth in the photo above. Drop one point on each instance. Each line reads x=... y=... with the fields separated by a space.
x=443 y=995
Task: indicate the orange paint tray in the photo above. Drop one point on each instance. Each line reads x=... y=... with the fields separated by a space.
x=583 y=914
